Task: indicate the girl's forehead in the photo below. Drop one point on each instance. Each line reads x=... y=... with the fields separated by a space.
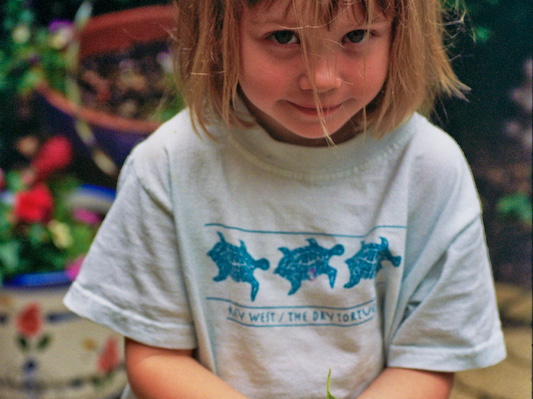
x=310 y=12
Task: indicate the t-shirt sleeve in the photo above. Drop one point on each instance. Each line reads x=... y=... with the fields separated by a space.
x=446 y=317
x=130 y=280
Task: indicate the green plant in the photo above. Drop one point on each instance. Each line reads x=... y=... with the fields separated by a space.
x=32 y=52
x=29 y=52
x=38 y=43
x=39 y=230
x=328 y=387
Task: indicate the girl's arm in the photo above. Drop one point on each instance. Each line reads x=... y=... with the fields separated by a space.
x=172 y=374
x=399 y=383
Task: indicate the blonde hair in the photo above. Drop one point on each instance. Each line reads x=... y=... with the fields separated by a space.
x=207 y=58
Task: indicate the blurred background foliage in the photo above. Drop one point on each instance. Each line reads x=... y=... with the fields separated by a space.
x=34 y=46
x=491 y=54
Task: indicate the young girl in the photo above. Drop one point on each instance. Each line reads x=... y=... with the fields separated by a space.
x=300 y=215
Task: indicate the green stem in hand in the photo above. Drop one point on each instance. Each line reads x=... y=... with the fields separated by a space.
x=328 y=385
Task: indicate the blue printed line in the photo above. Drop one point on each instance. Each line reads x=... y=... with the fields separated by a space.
x=289 y=307
x=300 y=325
x=311 y=233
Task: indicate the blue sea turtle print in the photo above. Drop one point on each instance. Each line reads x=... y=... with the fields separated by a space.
x=307 y=263
x=367 y=262
x=236 y=262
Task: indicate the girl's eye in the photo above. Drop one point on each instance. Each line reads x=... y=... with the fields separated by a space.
x=357 y=36
x=284 y=37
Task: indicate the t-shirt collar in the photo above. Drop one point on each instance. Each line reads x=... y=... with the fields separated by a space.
x=325 y=161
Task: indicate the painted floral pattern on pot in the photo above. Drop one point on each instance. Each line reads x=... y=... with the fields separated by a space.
x=29 y=325
x=109 y=357
x=48 y=352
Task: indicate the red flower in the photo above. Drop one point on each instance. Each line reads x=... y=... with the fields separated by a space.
x=55 y=154
x=29 y=322
x=109 y=357
x=34 y=205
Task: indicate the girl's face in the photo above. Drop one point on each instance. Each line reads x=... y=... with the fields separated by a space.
x=350 y=67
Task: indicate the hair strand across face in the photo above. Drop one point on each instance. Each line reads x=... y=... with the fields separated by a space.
x=207 y=57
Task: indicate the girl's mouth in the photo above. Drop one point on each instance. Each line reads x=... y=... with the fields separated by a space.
x=312 y=110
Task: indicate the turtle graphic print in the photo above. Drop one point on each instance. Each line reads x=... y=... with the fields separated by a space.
x=307 y=263
x=236 y=262
x=303 y=263
x=368 y=261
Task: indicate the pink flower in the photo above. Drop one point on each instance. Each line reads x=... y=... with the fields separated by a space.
x=85 y=216
x=29 y=322
x=59 y=24
x=54 y=154
x=73 y=268
x=34 y=205
x=109 y=357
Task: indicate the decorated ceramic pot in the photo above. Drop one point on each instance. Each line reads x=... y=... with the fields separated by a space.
x=48 y=351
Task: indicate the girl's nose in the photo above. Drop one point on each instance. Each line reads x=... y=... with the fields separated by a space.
x=324 y=72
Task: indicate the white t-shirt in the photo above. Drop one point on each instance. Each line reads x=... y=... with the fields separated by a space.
x=279 y=262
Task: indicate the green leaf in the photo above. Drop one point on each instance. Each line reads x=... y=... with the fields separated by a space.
x=23 y=343
x=83 y=236
x=38 y=234
x=30 y=80
x=44 y=342
x=6 y=225
x=97 y=381
x=482 y=34
x=516 y=205
x=14 y=181
x=9 y=258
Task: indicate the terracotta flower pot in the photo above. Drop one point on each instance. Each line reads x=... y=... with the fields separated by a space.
x=109 y=134
x=46 y=351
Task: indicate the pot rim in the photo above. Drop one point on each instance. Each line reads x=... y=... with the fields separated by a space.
x=39 y=280
x=93 y=117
